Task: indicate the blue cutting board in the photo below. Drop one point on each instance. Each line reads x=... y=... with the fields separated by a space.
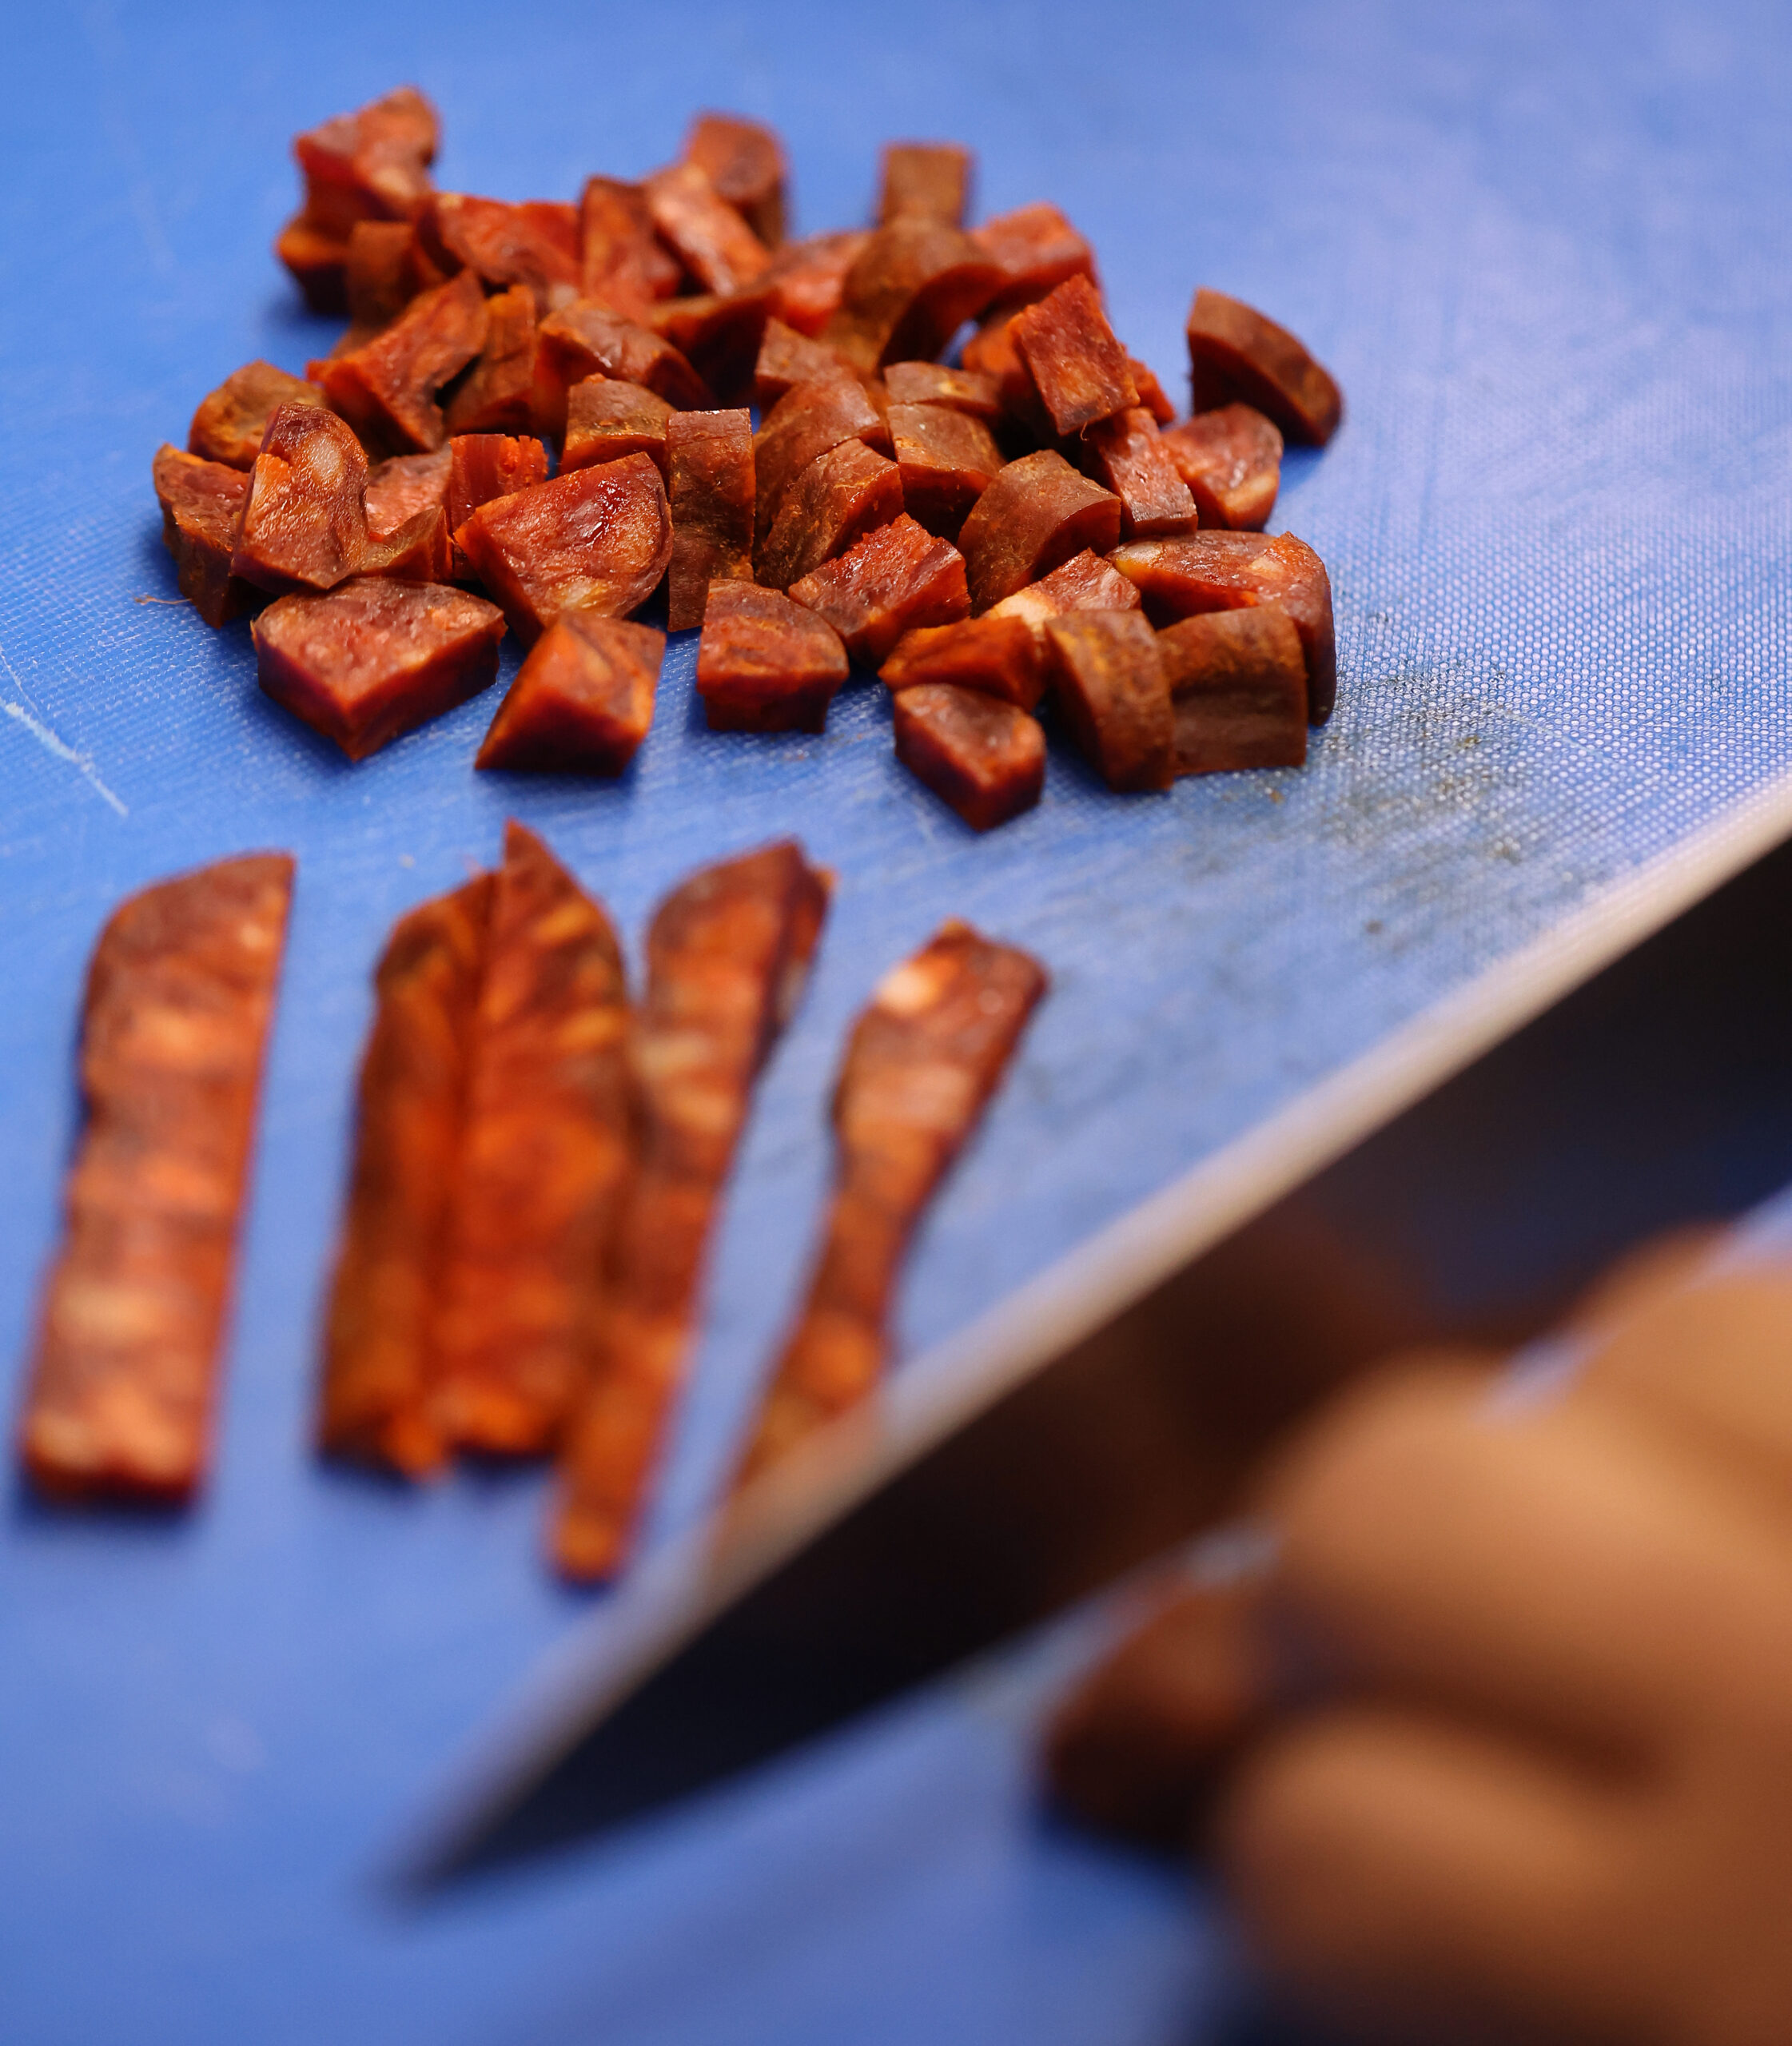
x=1545 y=251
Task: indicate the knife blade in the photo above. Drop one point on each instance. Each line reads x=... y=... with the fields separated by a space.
x=1632 y=1071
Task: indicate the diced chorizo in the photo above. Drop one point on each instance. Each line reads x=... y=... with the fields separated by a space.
x=201 y=510
x=1238 y=690
x=305 y=519
x=991 y=352
x=482 y=466
x=707 y=235
x=586 y=339
x=934 y=383
x=377 y=1403
x=1084 y=582
x=1232 y=461
x=983 y=758
x=805 y=422
x=386 y=388
x=1080 y=370
x=1127 y=453
x=372 y=164
x=583 y=699
x=787 y=358
x=536 y=243
x=546 y=1156
x=375 y=656
x=499 y=393
x=1035 y=248
x=623 y=265
x=709 y=459
x=229 y=424
x=1229 y=572
x=808 y=278
x=318 y=262
x=386 y=268
x=745 y=163
x=1237 y=356
x=1111 y=686
x=766 y=664
x=718 y=335
x=607 y=419
x=598 y=539
x=418 y=550
x=911 y=288
x=1152 y=394
x=946 y=460
x=1036 y=513
x=1002 y=657
x=727 y=955
x=925 y=182
x=894 y=579
x=841 y=496
x=179 y=993
x=924 y=1058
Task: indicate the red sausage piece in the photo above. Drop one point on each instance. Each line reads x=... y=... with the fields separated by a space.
x=707 y=235
x=885 y=585
x=582 y=700
x=1002 y=657
x=807 y=421
x=842 y=496
x=1238 y=689
x=934 y=383
x=984 y=757
x=607 y=419
x=305 y=520
x=946 y=460
x=229 y=424
x=1232 y=460
x=1037 y=250
x=786 y=358
x=745 y=163
x=1112 y=690
x=925 y=182
x=586 y=339
x=536 y=243
x=387 y=267
x=622 y=265
x=417 y=549
x=720 y=334
x=1127 y=453
x=1036 y=513
x=765 y=664
x=1235 y=354
x=1084 y=582
x=201 y=509
x=808 y=278
x=376 y=657
x=498 y=395
x=1081 y=372
x=598 y=539
x=709 y=461
x=911 y=287
x=386 y=388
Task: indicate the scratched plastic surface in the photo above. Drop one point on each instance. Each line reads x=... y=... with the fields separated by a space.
x=1545 y=249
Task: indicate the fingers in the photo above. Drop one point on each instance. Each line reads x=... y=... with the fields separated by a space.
x=1562 y=1569
x=1412 y=1877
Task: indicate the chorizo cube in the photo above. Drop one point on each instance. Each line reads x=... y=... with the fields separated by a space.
x=387 y=266
x=910 y=289
x=936 y=384
x=230 y=422
x=1114 y=693
x=1127 y=453
x=1002 y=657
x=498 y=394
x=1084 y=582
x=598 y=539
x=201 y=509
x=707 y=235
x=583 y=699
x=985 y=758
x=304 y=519
x=841 y=496
x=1229 y=572
x=895 y=578
x=1152 y=394
x=1080 y=370
x=1037 y=249
x=718 y=334
x=991 y=352
x=946 y=460
x=534 y=243
x=375 y=657
x=418 y=550
x=621 y=264
x=745 y=163
x=786 y=358
x=925 y=182
x=1238 y=690
x=587 y=339
x=386 y=388
x=807 y=421
x=807 y=279
x=765 y=664
x=371 y=165
x=482 y=466
x=1237 y=356
x=1036 y=513
x=1232 y=461
x=318 y=262
x=710 y=457
x=607 y=419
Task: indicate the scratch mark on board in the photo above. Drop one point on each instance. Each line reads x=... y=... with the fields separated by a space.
x=58 y=748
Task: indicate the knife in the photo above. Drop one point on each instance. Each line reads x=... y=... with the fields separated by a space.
x=1630 y=1071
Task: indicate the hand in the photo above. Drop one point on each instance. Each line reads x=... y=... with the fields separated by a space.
x=1544 y=1788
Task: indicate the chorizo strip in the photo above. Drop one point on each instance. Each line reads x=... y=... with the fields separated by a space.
x=923 y=1059
x=179 y=997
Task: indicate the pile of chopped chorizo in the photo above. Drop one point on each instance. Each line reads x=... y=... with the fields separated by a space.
x=548 y=415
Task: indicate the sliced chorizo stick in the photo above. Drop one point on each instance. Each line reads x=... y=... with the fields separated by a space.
x=1128 y=454
x=718 y=333
x=623 y=265
x=377 y=1403
x=1112 y=686
x=607 y=419
x=709 y=460
x=1232 y=460
x=925 y=182
x=370 y=165
x=786 y=358
x=397 y=491
x=840 y=497
x=230 y=422
x=386 y=388
x=1036 y=514
x=807 y=279
x=1080 y=370
x=582 y=702
x=745 y=162
x=935 y=383
x=728 y=954
x=1001 y=656
x=896 y=577
x=482 y=466
x=766 y=664
x=1084 y=582
x=587 y=339
x=709 y=237
x=910 y=289
x=546 y=1155
x=984 y=757
x=179 y=997
x=498 y=394
x=1238 y=689
x=923 y=1059
x=1037 y=249
x=1236 y=354
x=536 y=243
x=946 y=460
x=201 y=511
x=807 y=421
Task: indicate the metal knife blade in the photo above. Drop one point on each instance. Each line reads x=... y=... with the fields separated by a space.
x=1461 y=1185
